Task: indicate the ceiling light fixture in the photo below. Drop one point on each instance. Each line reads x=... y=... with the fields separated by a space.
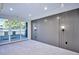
x=30 y=15
x=62 y=5
x=11 y=9
x=45 y=8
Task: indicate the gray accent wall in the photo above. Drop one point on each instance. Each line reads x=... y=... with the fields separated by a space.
x=48 y=30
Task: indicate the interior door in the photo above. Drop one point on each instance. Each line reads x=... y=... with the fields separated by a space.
x=67 y=36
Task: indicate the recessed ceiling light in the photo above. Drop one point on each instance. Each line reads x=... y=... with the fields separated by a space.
x=30 y=15
x=45 y=8
x=62 y=5
x=11 y=9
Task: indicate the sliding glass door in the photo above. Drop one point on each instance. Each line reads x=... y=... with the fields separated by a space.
x=12 y=30
x=15 y=30
x=4 y=30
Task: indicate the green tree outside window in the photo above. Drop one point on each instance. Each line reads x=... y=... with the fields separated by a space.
x=14 y=24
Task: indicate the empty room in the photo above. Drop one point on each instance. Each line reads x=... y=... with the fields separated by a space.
x=39 y=28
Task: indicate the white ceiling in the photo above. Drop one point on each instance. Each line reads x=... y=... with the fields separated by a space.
x=35 y=9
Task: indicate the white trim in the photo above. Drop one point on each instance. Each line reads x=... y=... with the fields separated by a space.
x=29 y=29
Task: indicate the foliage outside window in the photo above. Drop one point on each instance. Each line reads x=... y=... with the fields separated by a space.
x=14 y=24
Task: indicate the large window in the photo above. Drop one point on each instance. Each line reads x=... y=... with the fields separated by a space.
x=15 y=30
x=12 y=30
x=4 y=30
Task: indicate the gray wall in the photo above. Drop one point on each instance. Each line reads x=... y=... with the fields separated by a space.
x=49 y=31
x=69 y=20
